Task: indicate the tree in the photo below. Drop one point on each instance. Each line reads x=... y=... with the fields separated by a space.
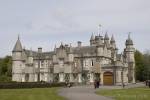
x=5 y=68
x=147 y=64
x=142 y=62
x=139 y=65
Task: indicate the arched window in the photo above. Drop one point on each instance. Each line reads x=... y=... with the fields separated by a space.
x=92 y=63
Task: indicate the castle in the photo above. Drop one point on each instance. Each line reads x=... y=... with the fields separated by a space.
x=98 y=61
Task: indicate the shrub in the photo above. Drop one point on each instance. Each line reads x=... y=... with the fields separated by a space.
x=17 y=85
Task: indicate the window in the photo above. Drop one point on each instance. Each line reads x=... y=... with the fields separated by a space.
x=85 y=63
x=75 y=64
x=61 y=63
x=92 y=63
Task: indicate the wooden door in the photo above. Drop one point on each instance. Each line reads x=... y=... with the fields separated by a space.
x=108 y=78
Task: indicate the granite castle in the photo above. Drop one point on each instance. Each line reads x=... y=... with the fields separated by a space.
x=98 y=61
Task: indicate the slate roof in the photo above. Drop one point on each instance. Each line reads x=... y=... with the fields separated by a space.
x=18 y=46
x=129 y=41
x=84 y=49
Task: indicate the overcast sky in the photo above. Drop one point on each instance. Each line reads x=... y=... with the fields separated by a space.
x=44 y=23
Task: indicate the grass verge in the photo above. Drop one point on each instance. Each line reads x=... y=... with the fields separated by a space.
x=30 y=94
x=127 y=94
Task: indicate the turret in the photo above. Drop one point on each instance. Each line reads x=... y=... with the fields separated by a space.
x=114 y=49
x=99 y=45
x=17 y=61
x=129 y=50
x=30 y=57
x=70 y=54
x=112 y=42
x=92 y=40
x=17 y=50
x=106 y=39
x=129 y=57
x=54 y=56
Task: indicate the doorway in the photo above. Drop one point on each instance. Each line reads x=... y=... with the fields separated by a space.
x=108 y=78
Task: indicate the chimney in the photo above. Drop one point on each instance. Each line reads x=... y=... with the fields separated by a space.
x=39 y=50
x=79 y=43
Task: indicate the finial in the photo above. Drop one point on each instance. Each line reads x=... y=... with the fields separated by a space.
x=92 y=36
x=112 y=38
x=99 y=29
x=70 y=45
x=18 y=36
x=106 y=35
x=61 y=43
x=129 y=35
x=30 y=53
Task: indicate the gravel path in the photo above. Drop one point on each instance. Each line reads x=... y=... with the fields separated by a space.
x=88 y=92
x=81 y=93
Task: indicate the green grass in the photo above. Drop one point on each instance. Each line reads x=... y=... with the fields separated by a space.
x=127 y=94
x=30 y=94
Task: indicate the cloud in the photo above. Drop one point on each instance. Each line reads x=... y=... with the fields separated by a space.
x=52 y=21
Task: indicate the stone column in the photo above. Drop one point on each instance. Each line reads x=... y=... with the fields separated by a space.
x=50 y=77
x=71 y=77
x=61 y=77
x=45 y=77
x=31 y=77
x=35 y=78
x=23 y=77
x=101 y=75
x=133 y=76
x=80 y=78
x=91 y=77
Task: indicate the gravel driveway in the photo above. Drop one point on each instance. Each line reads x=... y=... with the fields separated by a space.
x=81 y=93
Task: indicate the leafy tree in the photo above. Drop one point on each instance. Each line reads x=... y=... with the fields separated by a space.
x=142 y=62
x=139 y=63
x=5 y=68
x=147 y=64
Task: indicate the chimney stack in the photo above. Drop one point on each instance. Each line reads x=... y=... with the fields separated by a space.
x=39 y=50
x=79 y=43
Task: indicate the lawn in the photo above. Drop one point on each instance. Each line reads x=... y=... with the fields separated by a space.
x=30 y=94
x=127 y=94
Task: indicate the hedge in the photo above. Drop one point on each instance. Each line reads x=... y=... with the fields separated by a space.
x=18 y=85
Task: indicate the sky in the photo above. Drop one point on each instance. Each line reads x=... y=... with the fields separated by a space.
x=44 y=23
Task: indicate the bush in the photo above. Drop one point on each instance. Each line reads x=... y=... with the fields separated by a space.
x=5 y=78
x=17 y=85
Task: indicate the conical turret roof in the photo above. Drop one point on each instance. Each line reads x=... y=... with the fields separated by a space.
x=18 y=46
x=92 y=37
x=106 y=36
x=112 y=39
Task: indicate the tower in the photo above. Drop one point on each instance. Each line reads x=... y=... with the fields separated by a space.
x=129 y=57
x=114 y=50
x=106 y=39
x=17 y=62
x=112 y=42
x=92 y=40
x=30 y=57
